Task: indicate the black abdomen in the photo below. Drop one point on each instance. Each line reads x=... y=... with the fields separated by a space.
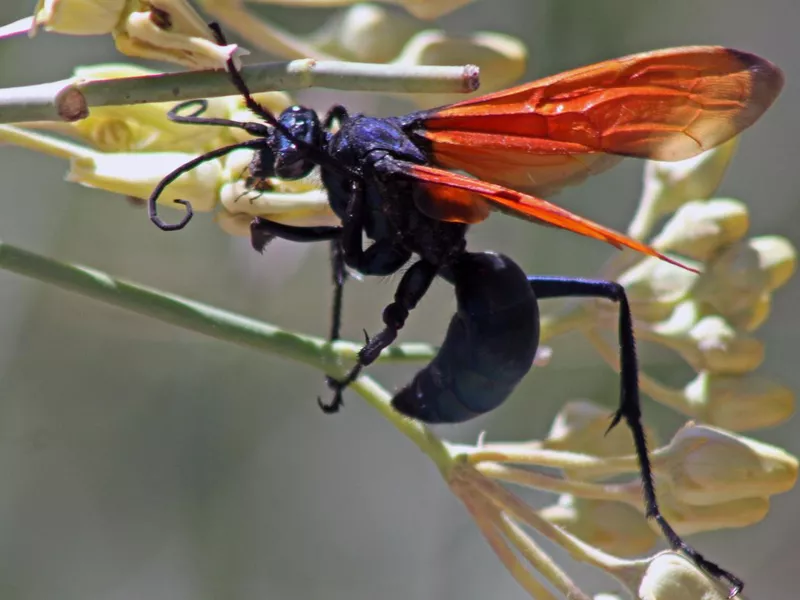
x=489 y=347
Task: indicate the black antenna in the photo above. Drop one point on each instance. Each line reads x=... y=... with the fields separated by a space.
x=258 y=130
x=185 y=168
x=312 y=151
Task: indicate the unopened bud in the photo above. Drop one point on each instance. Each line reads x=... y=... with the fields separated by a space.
x=136 y=174
x=669 y=185
x=170 y=30
x=707 y=466
x=501 y=58
x=79 y=17
x=708 y=344
x=777 y=257
x=738 y=403
x=365 y=33
x=688 y=519
x=611 y=526
x=655 y=287
x=751 y=317
x=670 y=576
x=713 y=345
x=699 y=228
x=580 y=426
x=431 y=9
x=736 y=278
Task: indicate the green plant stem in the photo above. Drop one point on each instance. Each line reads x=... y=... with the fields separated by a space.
x=71 y=99
x=230 y=327
x=195 y=316
x=437 y=450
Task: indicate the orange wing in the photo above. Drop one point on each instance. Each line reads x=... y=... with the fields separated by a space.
x=453 y=197
x=663 y=105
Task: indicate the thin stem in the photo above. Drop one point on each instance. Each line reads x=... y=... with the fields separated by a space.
x=380 y=399
x=559 y=485
x=539 y=559
x=192 y=315
x=44 y=143
x=528 y=454
x=71 y=99
x=230 y=327
x=520 y=511
x=486 y=516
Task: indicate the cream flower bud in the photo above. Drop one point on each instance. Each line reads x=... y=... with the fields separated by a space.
x=670 y=576
x=699 y=228
x=611 y=526
x=170 y=30
x=707 y=466
x=501 y=58
x=737 y=278
x=365 y=33
x=655 y=287
x=167 y=30
x=738 y=403
x=713 y=345
x=751 y=317
x=777 y=257
x=136 y=174
x=79 y=17
x=302 y=202
x=669 y=185
x=580 y=426
x=431 y=9
x=688 y=519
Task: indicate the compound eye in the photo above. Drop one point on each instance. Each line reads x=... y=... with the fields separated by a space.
x=292 y=154
x=296 y=169
x=263 y=163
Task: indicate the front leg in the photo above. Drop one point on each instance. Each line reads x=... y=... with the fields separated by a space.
x=384 y=257
x=263 y=231
x=413 y=286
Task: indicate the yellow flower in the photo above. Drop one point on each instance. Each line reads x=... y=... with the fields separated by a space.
x=705 y=465
x=669 y=576
x=166 y=30
x=611 y=526
x=136 y=174
x=79 y=17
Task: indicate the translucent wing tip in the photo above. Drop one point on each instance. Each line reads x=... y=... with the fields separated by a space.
x=767 y=81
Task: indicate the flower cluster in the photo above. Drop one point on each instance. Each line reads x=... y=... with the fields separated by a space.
x=707 y=477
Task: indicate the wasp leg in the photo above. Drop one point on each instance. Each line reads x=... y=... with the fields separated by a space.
x=630 y=405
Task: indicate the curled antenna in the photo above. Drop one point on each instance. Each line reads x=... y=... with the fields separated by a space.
x=312 y=151
x=200 y=106
x=258 y=130
x=152 y=204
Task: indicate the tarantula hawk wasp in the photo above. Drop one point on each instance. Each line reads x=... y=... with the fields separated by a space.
x=392 y=179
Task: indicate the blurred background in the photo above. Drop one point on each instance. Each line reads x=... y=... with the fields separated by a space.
x=139 y=460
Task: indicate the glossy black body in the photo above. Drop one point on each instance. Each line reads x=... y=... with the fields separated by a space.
x=493 y=337
x=492 y=340
x=489 y=346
